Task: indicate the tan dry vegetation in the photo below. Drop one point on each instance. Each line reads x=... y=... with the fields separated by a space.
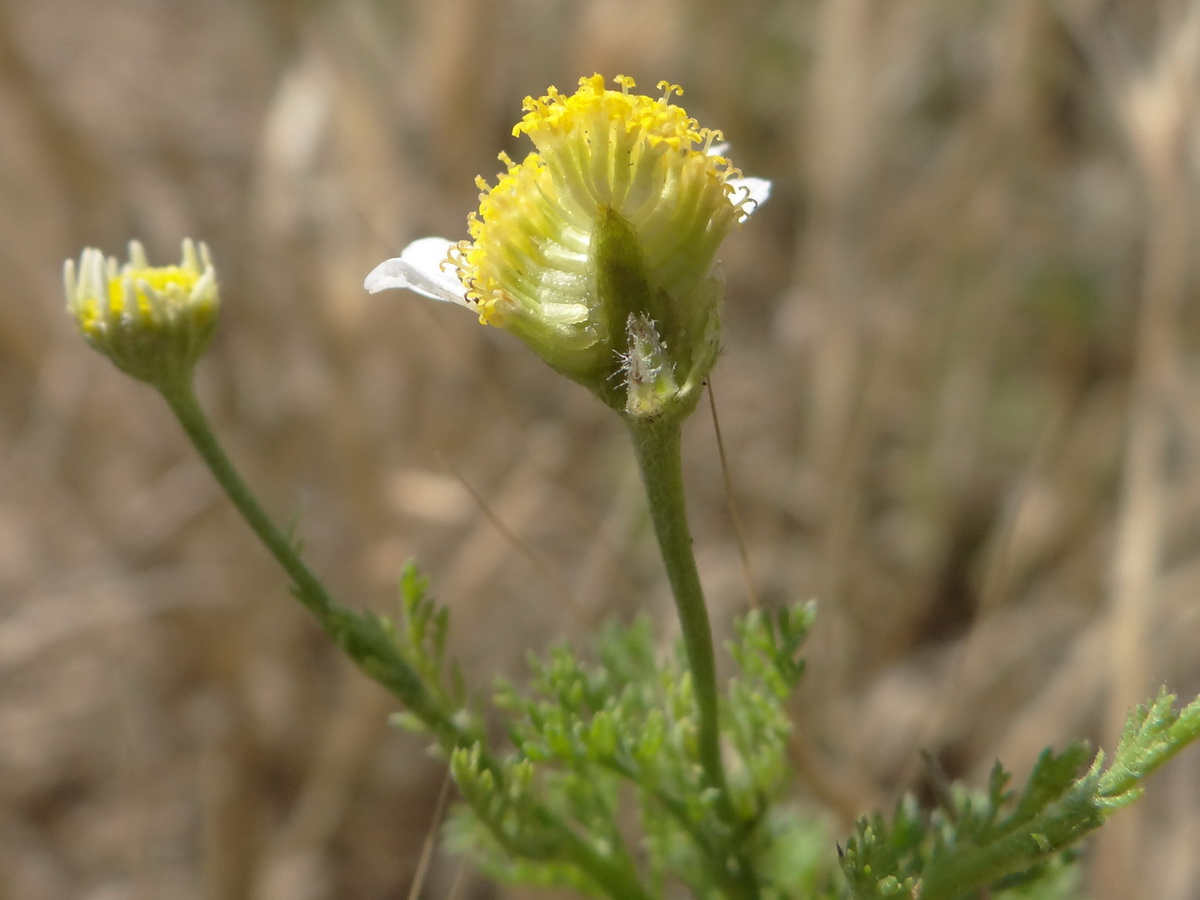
x=958 y=394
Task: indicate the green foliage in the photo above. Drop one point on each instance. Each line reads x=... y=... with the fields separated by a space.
x=420 y=639
x=1153 y=734
x=758 y=725
x=604 y=767
x=602 y=790
x=1004 y=841
x=408 y=658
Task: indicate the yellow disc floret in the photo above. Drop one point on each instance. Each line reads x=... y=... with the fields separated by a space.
x=530 y=265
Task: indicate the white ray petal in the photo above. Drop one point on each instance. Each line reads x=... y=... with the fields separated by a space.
x=420 y=267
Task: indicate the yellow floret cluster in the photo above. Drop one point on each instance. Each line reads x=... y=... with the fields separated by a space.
x=529 y=266
x=153 y=322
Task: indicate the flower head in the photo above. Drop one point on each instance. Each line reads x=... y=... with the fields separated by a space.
x=152 y=322
x=604 y=235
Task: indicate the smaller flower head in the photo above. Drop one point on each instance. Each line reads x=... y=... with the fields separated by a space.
x=152 y=322
x=598 y=249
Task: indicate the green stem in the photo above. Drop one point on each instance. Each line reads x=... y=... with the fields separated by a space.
x=345 y=626
x=658 y=447
x=369 y=648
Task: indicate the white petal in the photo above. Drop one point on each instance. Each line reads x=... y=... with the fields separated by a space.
x=420 y=267
x=753 y=191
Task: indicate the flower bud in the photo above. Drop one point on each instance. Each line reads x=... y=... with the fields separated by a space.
x=152 y=322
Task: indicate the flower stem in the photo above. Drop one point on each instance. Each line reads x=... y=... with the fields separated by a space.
x=345 y=626
x=658 y=446
x=370 y=648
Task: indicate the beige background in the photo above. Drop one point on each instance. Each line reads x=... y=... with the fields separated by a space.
x=959 y=395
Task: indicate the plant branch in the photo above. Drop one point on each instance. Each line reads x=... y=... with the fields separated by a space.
x=361 y=638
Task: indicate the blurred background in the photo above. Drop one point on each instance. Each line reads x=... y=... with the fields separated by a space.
x=958 y=397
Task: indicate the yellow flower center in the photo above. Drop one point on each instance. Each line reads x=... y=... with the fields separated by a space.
x=160 y=278
x=529 y=260
x=166 y=281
